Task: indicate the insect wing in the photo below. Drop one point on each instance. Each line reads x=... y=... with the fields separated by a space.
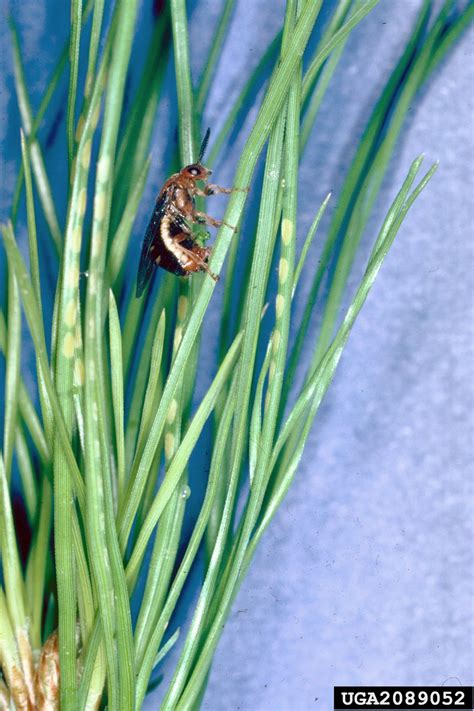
x=149 y=251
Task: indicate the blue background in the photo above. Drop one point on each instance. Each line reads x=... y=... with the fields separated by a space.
x=365 y=576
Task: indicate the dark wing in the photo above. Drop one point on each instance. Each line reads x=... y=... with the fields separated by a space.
x=149 y=247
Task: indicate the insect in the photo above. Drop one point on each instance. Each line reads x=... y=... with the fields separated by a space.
x=169 y=240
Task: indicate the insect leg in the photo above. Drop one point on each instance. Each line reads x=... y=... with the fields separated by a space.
x=206 y=219
x=185 y=227
x=178 y=219
x=196 y=259
x=212 y=189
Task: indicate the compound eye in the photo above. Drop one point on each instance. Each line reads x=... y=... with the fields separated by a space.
x=194 y=171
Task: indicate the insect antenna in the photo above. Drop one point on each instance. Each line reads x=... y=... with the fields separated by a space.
x=204 y=143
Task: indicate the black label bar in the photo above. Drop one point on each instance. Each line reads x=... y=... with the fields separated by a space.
x=403 y=698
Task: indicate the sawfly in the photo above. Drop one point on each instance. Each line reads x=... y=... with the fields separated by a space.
x=169 y=240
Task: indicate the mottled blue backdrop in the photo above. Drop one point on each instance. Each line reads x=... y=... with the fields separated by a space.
x=365 y=576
